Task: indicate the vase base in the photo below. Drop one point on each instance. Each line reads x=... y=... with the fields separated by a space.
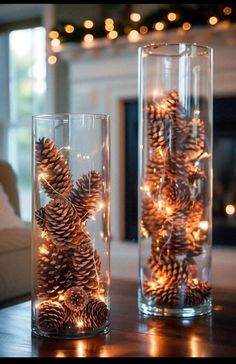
x=71 y=335
x=152 y=310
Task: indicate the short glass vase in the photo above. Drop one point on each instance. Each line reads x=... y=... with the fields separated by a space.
x=71 y=225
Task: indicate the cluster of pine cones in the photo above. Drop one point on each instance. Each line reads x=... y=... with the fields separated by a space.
x=173 y=205
x=69 y=274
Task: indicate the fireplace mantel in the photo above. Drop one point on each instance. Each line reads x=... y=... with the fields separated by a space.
x=103 y=77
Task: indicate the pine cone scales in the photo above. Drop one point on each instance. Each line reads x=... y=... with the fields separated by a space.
x=168 y=270
x=178 y=166
x=162 y=294
x=40 y=218
x=195 y=142
x=197 y=293
x=52 y=271
x=95 y=313
x=87 y=268
x=87 y=194
x=173 y=295
x=61 y=221
x=152 y=218
x=176 y=195
x=51 y=316
x=56 y=177
x=75 y=298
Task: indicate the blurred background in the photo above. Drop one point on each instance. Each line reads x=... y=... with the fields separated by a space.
x=84 y=58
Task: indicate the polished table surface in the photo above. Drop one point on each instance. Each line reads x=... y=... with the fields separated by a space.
x=132 y=334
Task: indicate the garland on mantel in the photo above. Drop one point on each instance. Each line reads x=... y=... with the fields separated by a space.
x=187 y=16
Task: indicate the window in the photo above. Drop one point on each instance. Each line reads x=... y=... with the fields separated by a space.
x=27 y=96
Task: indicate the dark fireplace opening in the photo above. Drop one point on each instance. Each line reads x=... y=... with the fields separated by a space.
x=224 y=170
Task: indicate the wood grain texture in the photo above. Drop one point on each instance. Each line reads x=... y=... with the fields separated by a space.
x=132 y=334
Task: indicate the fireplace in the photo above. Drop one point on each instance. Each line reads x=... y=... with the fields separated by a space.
x=224 y=168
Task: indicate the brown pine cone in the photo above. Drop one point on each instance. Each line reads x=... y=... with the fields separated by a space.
x=87 y=268
x=171 y=136
x=176 y=195
x=195 y=142
x=166 y=123
x=171 y=103
x=178 y=241
x=94 y=314
x=194 y=216
x=51 y=315
x=53 y=271
x=167 y=270
x=156 y=246
x=73 y=317
x=143 y=231
x=154 y=112
x=40 y=218
x=152 y=218
x=87 y=194
x=168 y=295
x=157 y=169
x=51 y=163
x=76 y=298
x=195 y=173
x=177 y=168
x=164 y=135
x=62 y=222
x=81 y=237
x=153 y=129
x=196 y=293
x=154 y=175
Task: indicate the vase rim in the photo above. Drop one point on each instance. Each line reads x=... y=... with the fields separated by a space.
x=204 y=48
x=69 y=114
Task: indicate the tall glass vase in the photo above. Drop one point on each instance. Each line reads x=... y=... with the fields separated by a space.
x=175 y=179
x=71 y=225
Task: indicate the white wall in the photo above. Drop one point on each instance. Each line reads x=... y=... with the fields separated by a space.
x=102 y=77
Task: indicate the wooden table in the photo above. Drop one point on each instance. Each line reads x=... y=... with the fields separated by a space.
x=131 y=335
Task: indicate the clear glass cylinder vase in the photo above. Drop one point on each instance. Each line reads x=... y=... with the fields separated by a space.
x=71 y=225
x=175 y=179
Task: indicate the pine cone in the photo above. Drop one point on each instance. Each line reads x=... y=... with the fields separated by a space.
x=61 y=222
x=195 y=142
x=178 y=241
x=153 y=130
x=95 y=313
x=195 y=174
x=197 y=293
x=154 y=174
x=167 y=295
x=171 y=103
x=152 y=218
x=87 y=268
x=177 y=168
x=176 y=195
x=167 y=270
x=75 y=298
x=87 y=194
x=51 y=315
x=178 y=128
x=40 y=218
x=73 y=317
x=53 y=165
x=53 y=271
x=154 y=112
x=195 y=215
